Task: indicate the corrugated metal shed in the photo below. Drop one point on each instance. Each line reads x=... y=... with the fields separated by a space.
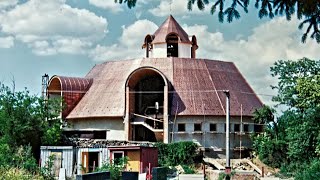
x=196 y=88
x=67 y=160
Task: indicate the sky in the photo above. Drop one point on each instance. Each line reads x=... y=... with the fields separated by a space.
x=68 y=37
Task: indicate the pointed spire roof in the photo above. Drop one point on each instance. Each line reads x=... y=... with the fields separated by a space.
x=167 y=27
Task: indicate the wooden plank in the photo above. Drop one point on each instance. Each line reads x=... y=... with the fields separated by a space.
x=213 y=162
x=254 y=166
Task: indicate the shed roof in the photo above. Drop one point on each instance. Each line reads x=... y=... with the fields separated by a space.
x=167 y=27
x=196 y=88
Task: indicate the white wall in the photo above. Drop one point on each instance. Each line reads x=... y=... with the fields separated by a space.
x=184 y=50
x=159 y=51
x=67 y=157
x=115 y=126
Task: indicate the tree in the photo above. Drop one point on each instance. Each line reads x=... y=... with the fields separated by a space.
x=26 y=122
x=297 y=142
x=308 y=11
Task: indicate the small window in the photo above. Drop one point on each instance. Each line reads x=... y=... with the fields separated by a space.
x=246 y=127
x=197 y=127
x=258 y=128
x=181 y=127
x=236 y=127
x=117 y=155
x=225 y=128
x=213 y=127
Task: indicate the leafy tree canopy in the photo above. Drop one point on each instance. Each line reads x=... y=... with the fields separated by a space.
x=308 y=11
x=293 y=141
x=26 y=122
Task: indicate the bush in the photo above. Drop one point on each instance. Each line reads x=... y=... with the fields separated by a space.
x=174 y=154
x=271 y=152
x=312 y=172
x=17 y=174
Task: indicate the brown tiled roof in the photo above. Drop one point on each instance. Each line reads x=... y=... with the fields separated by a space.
x=167 y=27
x=196 y=88
x=72 y=88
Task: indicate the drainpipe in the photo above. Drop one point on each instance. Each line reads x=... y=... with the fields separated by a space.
x=228 y=167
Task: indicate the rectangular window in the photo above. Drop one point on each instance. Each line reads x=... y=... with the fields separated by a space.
x=181 y=127
x=213 y=127
x=236 y=127
x=197 y=127
x=258 y=127
x=246 y=128
x=117 y=156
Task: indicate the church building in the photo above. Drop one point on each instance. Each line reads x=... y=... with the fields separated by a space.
x=169 y=95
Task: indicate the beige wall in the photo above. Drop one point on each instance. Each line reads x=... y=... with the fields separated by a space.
x=115 y=126
x=212 y=140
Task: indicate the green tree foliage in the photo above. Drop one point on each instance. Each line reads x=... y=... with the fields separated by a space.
x=26 y=122
x=115 y=167
x=292 y=142
x=308 y=11
x=179 y=153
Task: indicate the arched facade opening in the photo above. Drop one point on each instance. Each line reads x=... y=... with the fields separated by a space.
x=172 y=45
x=194 y=46
x=54 y=88
x=148 y=45
x=147 y=105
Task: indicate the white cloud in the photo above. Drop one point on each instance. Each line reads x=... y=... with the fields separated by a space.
x=175 y=7
x=269 y=42
x=129 y=45
x=65 y=29
x=7 y=3
x=107 y=4
x=6 y=42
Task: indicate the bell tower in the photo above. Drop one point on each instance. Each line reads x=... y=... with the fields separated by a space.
x=170 y=40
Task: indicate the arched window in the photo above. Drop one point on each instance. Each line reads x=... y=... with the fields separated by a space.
x=148 y=45
x=194 y=46
x=172 y=45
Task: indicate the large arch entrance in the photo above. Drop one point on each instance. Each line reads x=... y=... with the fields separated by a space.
x=147 y=105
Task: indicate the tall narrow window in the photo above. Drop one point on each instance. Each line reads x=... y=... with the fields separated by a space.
x=172 y=45
x=236 y=127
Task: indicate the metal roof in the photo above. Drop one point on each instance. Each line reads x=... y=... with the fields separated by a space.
x=167 y=27
x=196 y=88
x=72 y=89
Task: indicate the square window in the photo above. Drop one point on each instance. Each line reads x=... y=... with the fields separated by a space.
x=246 y=127
x=213 y=127
x=258 y=128
x=181 y=127
x=197 y=127
x=236 y=127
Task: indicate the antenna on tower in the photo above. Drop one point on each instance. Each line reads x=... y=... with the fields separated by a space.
x=170 y=6
x=45 y=81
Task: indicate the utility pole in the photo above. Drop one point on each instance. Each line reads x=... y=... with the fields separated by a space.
x=228 y=167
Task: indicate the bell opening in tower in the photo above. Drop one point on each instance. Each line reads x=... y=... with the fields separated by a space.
x=172 y=45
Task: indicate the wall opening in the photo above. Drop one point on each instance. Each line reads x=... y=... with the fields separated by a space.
x=148 y=45
x=146 y=105
x=172 y=45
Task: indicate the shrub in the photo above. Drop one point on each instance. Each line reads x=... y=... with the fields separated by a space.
x=174 y=154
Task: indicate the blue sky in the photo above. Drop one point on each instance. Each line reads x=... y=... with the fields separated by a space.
x=68 y=37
